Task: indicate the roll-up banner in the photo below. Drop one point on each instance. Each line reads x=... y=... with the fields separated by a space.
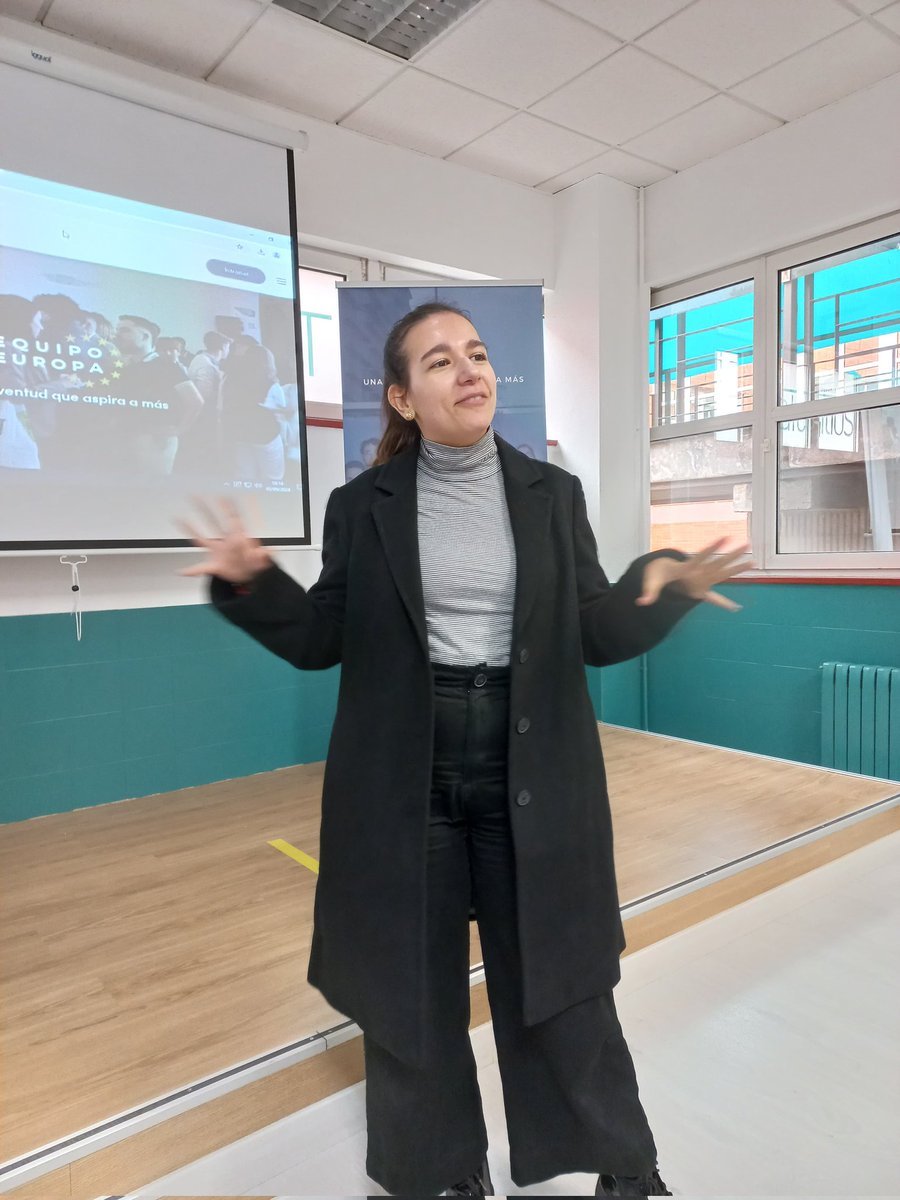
x=509 y=320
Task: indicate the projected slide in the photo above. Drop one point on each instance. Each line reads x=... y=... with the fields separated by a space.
x=146 y=355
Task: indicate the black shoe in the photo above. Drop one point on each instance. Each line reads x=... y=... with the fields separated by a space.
x=631 y=1185
x=478 y=1184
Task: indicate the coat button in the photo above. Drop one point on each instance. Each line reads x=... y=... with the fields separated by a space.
x=523 y=798
x=480 y=679
x=523 y=656
x=523 y=725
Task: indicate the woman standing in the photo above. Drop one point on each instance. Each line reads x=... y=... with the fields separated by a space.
x=461 y=593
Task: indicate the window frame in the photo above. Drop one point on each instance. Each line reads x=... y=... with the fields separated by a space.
x=767 y=414
x=343 y=266
x=331 y=262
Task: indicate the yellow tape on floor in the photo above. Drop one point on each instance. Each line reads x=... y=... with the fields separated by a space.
x=295 y=854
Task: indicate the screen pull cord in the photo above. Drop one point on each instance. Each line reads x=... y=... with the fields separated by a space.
x=75 y=563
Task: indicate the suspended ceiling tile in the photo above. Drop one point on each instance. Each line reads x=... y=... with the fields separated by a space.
x=631 y=169
x=622 y=97
x=725 y=41
x=842 y=64
x=625 y=18
x=424 y=113
x=615 y=163
x=551 y=187
x=890 y=17
x=527 y=150
x=180 y=35
x=705 y=131
x=25 y=10
x=516 y=50
x=290 y=60
x=869 y=6
x=399 y=27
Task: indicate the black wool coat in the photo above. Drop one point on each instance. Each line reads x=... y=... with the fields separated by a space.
x=366 y=612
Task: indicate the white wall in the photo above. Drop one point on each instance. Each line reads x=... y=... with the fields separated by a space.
x=833 y=168
x=354 y=194
x=572 y=338
x=595 y=334
x=325 y=449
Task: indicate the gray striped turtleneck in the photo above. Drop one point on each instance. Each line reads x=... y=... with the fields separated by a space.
x=466 y=552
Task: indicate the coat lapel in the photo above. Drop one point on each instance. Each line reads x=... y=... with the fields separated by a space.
x=396 y=519
x=530 y=507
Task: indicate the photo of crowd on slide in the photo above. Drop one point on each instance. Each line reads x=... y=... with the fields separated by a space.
x=129 y=377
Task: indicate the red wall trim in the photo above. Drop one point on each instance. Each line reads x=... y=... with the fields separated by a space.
x=820 y=581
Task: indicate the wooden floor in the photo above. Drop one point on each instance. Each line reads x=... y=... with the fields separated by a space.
x=150 y=943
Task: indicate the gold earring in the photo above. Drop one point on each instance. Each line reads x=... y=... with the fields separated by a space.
x=409 y=414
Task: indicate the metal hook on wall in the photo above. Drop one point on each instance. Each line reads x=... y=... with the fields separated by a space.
x=75 y=563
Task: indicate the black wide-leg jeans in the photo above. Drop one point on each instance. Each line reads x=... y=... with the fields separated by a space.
x=569 y=1087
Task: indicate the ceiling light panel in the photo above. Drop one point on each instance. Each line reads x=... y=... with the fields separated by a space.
x=397 y=26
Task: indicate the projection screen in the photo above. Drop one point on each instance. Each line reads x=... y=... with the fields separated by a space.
x=149 y=324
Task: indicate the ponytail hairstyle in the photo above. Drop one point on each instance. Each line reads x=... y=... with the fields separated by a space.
x=399 y=434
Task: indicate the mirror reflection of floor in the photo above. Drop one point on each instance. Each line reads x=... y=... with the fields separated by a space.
x=151 y=943
x=765 y=1046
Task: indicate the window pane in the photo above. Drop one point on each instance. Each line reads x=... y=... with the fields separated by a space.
x=701 y=356
x=840 y=324
x=700 y=489
x=321 y=346
x=839 y=483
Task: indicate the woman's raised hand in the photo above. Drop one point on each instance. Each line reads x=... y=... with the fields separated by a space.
x=697 y=575
x=232 y=553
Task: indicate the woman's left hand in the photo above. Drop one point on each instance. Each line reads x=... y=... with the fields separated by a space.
x=697 y=575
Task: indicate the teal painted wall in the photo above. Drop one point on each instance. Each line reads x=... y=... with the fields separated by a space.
x=750 y=680
x=620 y=694
x=616 y=692
x=149 y=701
x=157 y=699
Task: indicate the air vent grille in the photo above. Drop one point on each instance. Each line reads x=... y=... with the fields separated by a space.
x=397 y=26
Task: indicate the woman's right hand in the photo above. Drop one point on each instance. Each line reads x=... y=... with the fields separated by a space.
x=232 y=553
